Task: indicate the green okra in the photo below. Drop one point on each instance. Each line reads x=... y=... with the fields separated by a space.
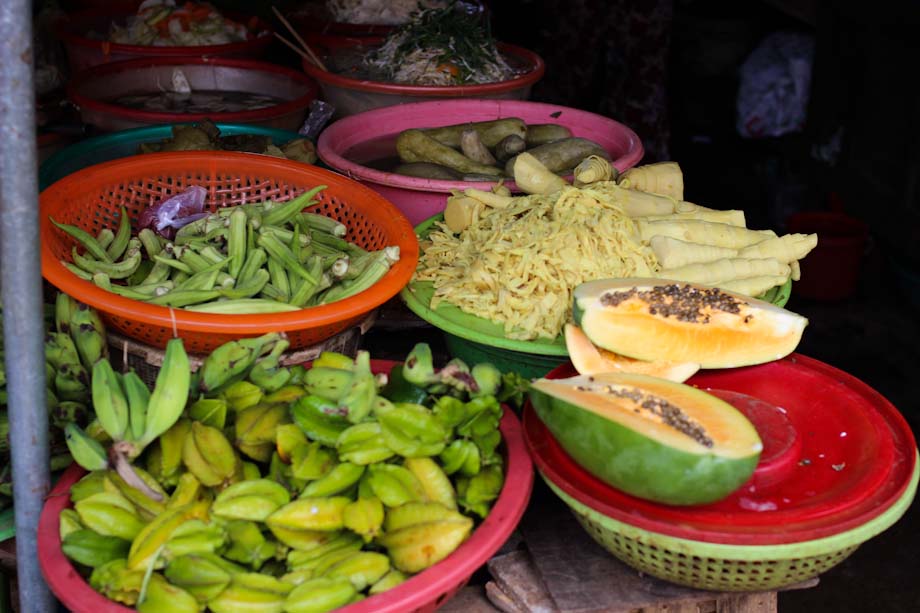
x=255 y=260
x=286 y=236
x=243 y=306
x=115 y=270
x=284 y=212
x=252 y=286
x=279 y=278
x=120 y=242
x=172 y=262
x=307 y=289
x=374 y=271
x=335 y=242
x=280 y=251
x=204 y=280
x=105 y=237
x=77 y=270
x=150 y=241
x=185 y=297
x=322 y=223
x=236 y=241
x=86 y=239
x=211 y=254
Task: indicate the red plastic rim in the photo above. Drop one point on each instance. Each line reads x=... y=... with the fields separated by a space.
x=71 y=31
x=856 y=458
x=426 y=589
x=535 y=72
x=104 y=71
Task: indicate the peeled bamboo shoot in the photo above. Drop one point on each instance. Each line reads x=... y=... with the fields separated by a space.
x=728 y=269
x=732 y=217
x=754 y=286
x=704 y=232
x=673 y=252
x=490 y=198
x=663 y=178
x=533 y=177
x=786 y=248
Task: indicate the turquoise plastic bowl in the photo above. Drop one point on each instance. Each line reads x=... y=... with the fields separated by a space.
x=474 y=339
x=125 y=143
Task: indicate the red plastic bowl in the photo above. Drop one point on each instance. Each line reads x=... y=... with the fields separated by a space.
x=89 y=90
x=423 y=593
x=350 y=95
x=84 y=52
x=420 y=198
x=836 y=455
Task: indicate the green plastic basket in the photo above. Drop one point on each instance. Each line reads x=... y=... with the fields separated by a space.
x=125 y=143
x=474 y=339
x=729 y=568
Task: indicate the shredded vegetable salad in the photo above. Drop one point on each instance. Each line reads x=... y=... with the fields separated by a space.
x=378 y=12
x=447 y=46
x=163 y=23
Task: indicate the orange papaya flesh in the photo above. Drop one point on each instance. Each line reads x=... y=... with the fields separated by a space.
x=655 y=319
x=649 y=437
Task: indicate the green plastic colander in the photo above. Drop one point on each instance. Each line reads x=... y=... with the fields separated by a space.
x=729 y=568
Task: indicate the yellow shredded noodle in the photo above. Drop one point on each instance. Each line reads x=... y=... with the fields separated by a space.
x=519 y=265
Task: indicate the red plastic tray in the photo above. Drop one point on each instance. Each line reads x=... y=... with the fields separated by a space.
x=836 y=455
x=423 y=593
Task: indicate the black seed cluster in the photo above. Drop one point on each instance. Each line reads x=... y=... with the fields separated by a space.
x=682 y=302
x=670 y=414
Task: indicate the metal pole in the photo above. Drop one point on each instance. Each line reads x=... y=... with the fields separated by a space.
x=22 y=297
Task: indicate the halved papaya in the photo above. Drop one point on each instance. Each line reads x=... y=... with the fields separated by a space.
x=589 y=359
x=657 y=319
x=652 y=438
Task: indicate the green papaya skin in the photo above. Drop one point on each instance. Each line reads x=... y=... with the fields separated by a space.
x=636 y=464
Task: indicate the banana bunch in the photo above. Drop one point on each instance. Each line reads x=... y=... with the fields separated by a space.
x=296 y=492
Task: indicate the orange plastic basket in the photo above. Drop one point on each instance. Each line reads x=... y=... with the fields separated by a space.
x=91 y=199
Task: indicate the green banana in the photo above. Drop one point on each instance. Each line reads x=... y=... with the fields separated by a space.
x=232 y=361
x=138 y=396
x=109 y=401
x=268 y=373
x=64 y=306
x=163 y=597
x=320 y=595
x=67 y=411
x=333 y=359
x=92 y=549
x=326 y=382
x=86 y=452
x=60 y=349
x=250 y=500
x=170 y=392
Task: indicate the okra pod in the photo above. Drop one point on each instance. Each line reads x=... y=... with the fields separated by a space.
x=173 y=263
x=279 y=278
x=105 y=237
x=244 y=306
x=115 y=270
x=285 y=235
x=204 y=280
x=236 y=241
x=376 y=268
x=159 y=272
x=315 y=221
x=255 y=259
x=335 y=242
x=273 y=293
x=307 y=289
x=120 y=243
x=197 y=262
x=150 y=241
x=280 y=251
x=252 y=286
x=211 y=254
x=185 y=297
x=86 y=239
x=284 y=212
x=77 y=270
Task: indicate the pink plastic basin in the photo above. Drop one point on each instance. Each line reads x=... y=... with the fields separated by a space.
x=419 y=198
